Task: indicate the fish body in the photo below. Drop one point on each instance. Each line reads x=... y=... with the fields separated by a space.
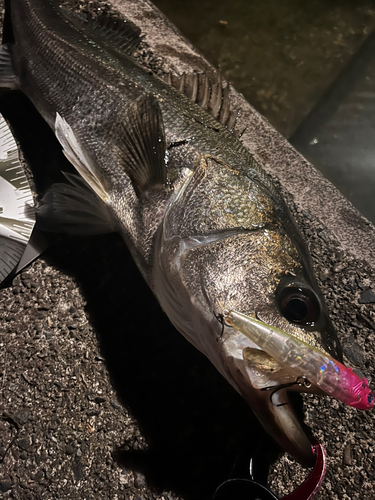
x=204 y=223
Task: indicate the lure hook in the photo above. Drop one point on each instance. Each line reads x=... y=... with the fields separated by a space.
x=302 y=381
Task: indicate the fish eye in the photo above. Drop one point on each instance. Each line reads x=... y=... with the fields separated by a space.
x=370 y=398
x=299 y=304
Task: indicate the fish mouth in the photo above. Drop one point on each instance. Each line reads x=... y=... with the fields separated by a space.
x=264 y=382
x=275 y=412
x=280 y=362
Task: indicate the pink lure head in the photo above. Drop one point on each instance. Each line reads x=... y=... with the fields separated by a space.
x=360 y=396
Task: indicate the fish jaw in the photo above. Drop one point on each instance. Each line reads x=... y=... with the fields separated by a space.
x=281 y=423
x=257 y=380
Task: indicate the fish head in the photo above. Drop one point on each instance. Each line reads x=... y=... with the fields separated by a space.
x=221 y=249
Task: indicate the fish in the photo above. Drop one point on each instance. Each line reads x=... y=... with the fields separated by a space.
x=208 y=229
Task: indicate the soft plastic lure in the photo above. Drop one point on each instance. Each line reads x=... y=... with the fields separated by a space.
x=320 y=369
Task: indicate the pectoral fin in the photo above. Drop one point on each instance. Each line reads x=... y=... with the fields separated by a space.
x=137 y=140
x=139 y=137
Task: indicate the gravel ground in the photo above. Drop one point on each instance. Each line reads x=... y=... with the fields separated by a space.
x=102 y=398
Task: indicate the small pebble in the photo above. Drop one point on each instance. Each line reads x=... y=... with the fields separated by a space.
x=99 y=400
x=367 y=297
x=70 y=449
x=347 y=458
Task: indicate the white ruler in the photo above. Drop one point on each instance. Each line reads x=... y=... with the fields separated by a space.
x=17 y=209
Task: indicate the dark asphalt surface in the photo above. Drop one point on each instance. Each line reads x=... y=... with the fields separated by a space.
x=102 y=398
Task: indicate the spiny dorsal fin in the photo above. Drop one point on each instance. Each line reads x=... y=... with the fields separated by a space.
x=113 y=32
x=141 y=143
x=211 y=97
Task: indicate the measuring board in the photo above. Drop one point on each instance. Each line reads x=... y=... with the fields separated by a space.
x=17 y=209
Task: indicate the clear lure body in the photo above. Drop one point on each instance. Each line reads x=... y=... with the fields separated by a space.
x=320 y=369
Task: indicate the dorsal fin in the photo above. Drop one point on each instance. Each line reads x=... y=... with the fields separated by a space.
x=211 y=97
x=113 y=32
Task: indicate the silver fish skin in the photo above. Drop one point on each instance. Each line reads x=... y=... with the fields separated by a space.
x=205 y=225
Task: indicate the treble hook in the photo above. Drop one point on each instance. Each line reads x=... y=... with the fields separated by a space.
x=221 y=319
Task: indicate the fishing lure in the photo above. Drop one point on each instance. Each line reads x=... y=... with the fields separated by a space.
x=320 y=369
